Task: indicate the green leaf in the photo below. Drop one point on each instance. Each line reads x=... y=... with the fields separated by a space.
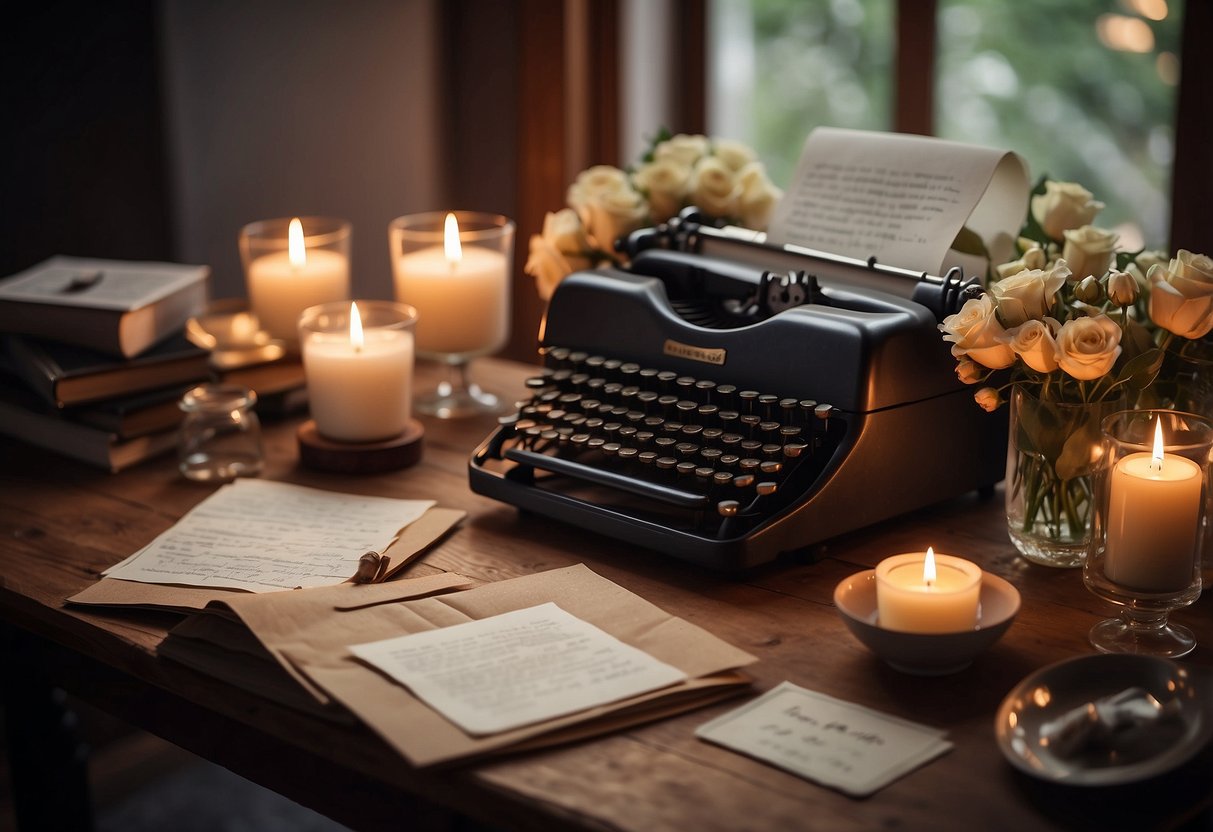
x=1140 y=372
x=1031 y=228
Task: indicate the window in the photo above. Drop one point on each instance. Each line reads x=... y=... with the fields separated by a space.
x=1084 y=91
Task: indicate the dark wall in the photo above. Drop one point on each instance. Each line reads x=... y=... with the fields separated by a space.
x=82 y=161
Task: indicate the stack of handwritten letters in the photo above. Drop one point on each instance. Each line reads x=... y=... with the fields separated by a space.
x=445 y=670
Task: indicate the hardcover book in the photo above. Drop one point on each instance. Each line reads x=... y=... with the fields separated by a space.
x=113 y=306
x=23 y=416
x=65 y=374
x=136 y=414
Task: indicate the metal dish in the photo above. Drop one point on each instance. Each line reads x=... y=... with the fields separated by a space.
x=1053 y=691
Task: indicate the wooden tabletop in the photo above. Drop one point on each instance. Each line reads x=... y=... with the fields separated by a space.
x=62 y=523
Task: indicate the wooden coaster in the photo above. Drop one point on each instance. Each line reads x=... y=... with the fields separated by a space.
x=359 y=457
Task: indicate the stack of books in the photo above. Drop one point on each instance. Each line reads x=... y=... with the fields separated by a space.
x=94 y=356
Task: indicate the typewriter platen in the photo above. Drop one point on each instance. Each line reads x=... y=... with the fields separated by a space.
x=703 y=408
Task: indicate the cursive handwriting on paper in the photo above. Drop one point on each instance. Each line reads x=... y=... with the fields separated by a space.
x=838 y=744
x=262 y=536
x=517 y=668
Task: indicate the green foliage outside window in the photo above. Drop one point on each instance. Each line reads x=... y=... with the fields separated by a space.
x=1032 y=76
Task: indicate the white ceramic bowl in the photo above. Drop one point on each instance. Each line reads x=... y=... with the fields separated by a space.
x=926 y=654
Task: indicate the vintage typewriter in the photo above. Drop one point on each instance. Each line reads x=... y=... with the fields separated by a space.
x=707 y=406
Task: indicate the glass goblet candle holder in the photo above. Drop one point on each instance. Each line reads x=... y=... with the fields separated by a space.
x=454 y=268
x=1151 y=517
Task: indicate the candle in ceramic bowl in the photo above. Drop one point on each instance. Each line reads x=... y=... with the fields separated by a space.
x=922 y=592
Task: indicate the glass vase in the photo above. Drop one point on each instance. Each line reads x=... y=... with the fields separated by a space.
x=1053 y=449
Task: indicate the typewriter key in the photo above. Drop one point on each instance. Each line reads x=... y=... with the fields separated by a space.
x=794 y=449
x=728 y=508
x=743 y=480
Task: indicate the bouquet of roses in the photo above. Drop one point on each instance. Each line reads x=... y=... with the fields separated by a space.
x=722 y=178
x=1074 y=320
x=1076 y=324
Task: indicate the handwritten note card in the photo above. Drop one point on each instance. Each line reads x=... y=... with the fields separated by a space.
x=517 y=668
x=900 y=198
x=835 y=743
x=263 y=536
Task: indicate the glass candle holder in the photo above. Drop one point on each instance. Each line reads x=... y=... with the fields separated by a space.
x=358 y=361
x=1151 y=517
x=220 y=436
x=455 y=269
x=291 y=264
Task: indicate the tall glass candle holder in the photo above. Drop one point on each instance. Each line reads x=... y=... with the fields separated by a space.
x=292 y=263
x=1151 y=517
x=454 y=267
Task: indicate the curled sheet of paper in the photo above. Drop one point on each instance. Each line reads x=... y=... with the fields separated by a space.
x=1106 y=721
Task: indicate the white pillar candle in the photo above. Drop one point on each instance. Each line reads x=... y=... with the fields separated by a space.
x=927 y=593
x=1153 y=521
x=284 y=283
x=461 y=293
x=359 y=383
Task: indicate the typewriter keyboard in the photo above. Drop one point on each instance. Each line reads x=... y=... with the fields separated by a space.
x=713 y=459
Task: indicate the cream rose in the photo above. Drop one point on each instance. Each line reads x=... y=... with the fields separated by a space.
x=713 y=188
x=610 y=215
x=1089 y=251
x=685 y=149
x=1064 y=205
x=1033 y=258
x=1033 y=341
x=1122 y=288
x=974 y=332
x=1087 y=347
x=735 y=155
x=561 y=248
x=593 y=182
x=1150 y=258
x=756 y=197
x=988 y=399
x=1181 y=295
x=969 y=372
x=665 y=182
x=1029 y=294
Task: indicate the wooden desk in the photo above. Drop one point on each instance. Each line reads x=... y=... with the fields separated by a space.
x=60 y=524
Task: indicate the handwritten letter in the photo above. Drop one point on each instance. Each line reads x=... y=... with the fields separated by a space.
x=517 y=668
x=263 y=536
x=844 y=746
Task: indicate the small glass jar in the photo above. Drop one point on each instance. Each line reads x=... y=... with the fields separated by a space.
x=220 y=437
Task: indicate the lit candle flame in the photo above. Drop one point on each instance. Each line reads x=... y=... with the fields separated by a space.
x=355 y=328
x=1156 y=461
x=928 y=567
x=450 y=240
x=294 y=244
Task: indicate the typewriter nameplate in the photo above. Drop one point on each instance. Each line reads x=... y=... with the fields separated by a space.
x=693 y=353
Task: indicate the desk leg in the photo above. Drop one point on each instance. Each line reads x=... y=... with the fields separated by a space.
x=48 y=762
